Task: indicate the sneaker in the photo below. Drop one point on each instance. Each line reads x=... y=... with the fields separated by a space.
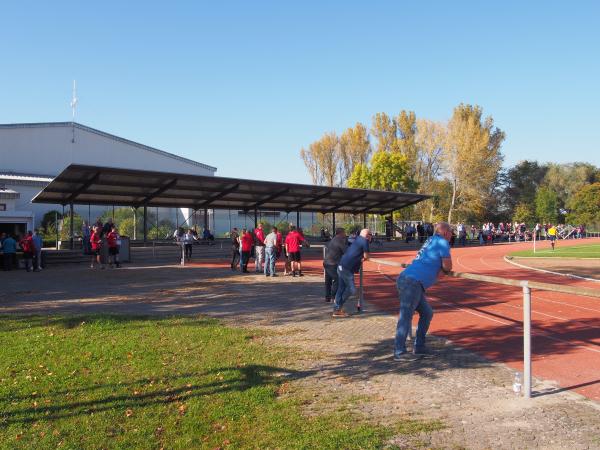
x=327 y=300
x=300 y=274
x=267 y=275
x=405 y=356
x=294 y=274
x=273 y=274
x=340 y=313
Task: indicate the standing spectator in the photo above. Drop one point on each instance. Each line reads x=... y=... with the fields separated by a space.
x=235 y=248
x=462 y=234
x=246 y=244
x=412 y=283
x=473 y=232
x=113 y=240
x=270 y=247
x=26 y=244
x=349 y=265
x=259 y=248
x=38 y=243
x=292 y=245
x=420 y=232
x=85 y=237
x=335 y=249
x=188 y=243
x=108 y=227
x=96 y=243
x=9 y=247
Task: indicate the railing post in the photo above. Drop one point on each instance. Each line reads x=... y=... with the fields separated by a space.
x=527 y=340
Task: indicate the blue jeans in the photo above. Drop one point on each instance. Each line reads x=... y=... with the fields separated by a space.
x=412 y=298
x=270 y=257
x=345 y=287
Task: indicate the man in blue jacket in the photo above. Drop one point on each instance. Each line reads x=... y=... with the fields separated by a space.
x=9 y=247
x=412 y=283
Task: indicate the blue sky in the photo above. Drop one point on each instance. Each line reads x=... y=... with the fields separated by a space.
x=245 y=85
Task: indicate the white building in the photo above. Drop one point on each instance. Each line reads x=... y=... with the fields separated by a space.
x=32 y=154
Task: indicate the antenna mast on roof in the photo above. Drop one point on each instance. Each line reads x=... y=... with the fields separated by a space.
x=73 y=105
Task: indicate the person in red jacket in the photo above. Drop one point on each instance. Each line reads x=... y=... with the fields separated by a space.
x=292 y=245
x=113 y=239
x=259 y=248
x=27 y=246
x=247 y=240
x=96 y=243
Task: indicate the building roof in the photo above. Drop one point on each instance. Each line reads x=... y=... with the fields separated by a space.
x=106 y=135
x=14 y=176
x=96 y=185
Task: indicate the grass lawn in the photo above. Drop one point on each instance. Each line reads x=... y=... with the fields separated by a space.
x=576 y=251
x=133 y=382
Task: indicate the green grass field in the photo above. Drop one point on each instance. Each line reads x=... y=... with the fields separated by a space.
x=146 y=383
x=544 y=250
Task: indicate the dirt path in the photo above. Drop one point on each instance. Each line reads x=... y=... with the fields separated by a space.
x=345 y=359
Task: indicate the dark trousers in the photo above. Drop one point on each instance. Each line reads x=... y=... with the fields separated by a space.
x=188 y=251
x=245 y=259
x=331 y=281
x=8 y=260
x=235 y=257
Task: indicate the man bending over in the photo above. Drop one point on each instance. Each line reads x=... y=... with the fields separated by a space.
x=412 y=283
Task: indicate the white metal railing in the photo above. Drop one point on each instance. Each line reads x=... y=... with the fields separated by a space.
x=525 y=285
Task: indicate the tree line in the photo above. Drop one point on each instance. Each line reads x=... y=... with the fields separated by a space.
x=459 y=164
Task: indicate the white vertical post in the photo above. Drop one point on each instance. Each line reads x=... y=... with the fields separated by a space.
x=527 y=340
x=534 y=236
x=324 y=255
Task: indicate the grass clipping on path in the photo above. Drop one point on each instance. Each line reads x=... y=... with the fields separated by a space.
x=544 y=250
x=131 y=382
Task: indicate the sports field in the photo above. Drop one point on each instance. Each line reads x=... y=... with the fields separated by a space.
x=575 y=251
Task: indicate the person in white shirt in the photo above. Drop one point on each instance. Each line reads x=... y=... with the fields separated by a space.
x=270 y=253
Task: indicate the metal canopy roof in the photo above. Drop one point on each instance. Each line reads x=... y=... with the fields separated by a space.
x=79 y=184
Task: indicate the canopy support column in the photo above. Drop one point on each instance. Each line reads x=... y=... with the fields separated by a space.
x=297 y=219
x=255 y=218
x=365 y=220
x=206 y=218
x=71 y=235
x=145 y=223
x=333 y=222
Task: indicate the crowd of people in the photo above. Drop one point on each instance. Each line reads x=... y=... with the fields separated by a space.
x=30 y=244
x=267 y=250
x=490 y=233
x=96 y=237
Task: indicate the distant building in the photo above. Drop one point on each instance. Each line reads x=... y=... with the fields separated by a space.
x=32 y=154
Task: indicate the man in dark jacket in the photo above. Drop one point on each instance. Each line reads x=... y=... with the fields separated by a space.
x=335 y=249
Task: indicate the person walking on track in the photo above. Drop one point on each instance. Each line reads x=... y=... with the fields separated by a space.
x=422 y=273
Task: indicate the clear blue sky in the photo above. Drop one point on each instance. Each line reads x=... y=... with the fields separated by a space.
x=244 y=85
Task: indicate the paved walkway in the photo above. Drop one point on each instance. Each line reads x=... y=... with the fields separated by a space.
x=343 y=358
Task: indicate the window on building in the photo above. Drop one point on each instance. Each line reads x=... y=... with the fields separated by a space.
x=2 y=206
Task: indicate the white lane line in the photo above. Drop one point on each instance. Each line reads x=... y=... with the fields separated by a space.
x=568 y=275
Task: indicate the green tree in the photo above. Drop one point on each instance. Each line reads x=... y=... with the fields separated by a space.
x=65 y=228
x=585 y=206
x=546 y=205
x=567 y=179
x=406 y=126
x=360 y=178
x=387 y=172
x=521 y=184
x=523 y=214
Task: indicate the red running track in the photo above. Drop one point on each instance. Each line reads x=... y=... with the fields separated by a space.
x=487 y=318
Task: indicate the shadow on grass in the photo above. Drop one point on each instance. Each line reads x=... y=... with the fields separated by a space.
x=235 y=379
